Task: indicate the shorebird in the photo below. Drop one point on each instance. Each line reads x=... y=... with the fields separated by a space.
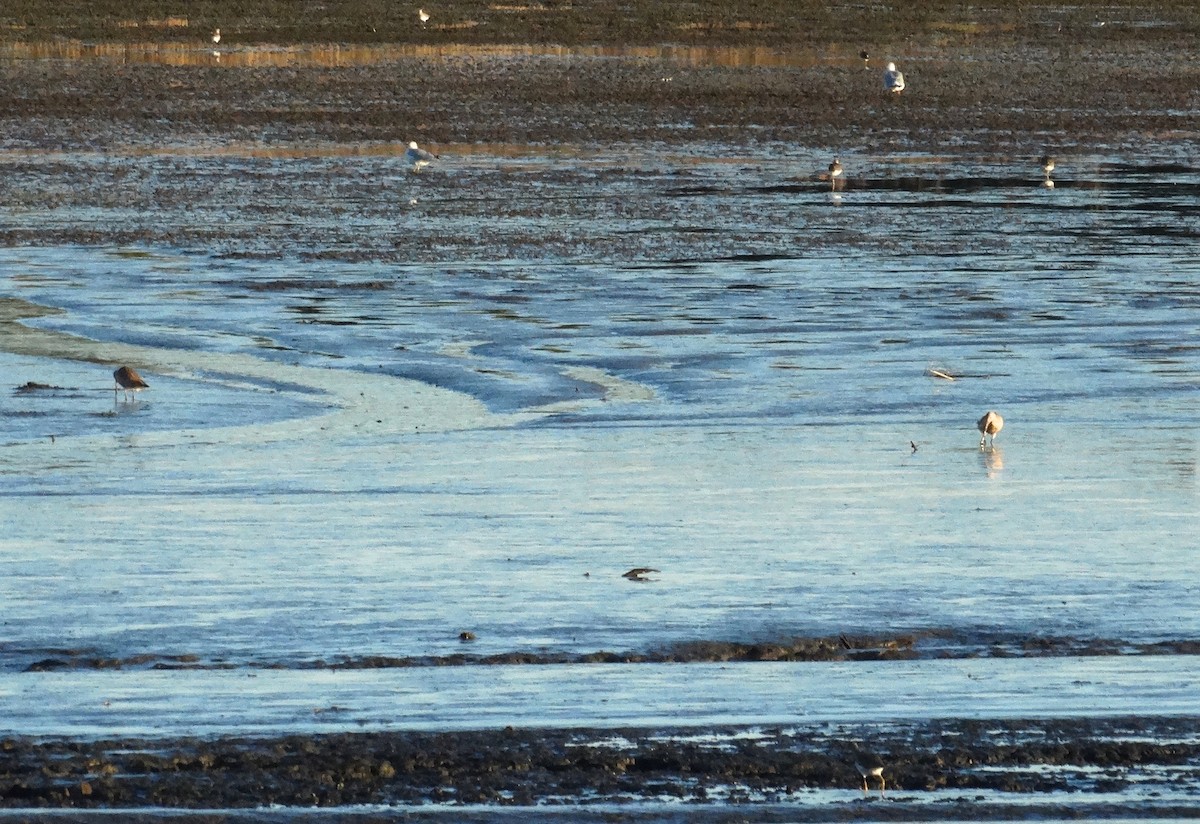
x=869 y=766
x=129 y=380
x=418 y=157
x=835 y=171
x=1047 y=163
x=989 y=424
x=638 y=573
x=423 y=16
x=893 y=80
x=216 y=37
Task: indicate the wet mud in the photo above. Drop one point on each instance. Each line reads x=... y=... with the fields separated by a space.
x=963 y=761
x=842 y=648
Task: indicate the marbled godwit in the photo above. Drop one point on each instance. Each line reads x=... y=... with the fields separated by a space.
x=129 y=380
x=893 y=80
x=989 y=424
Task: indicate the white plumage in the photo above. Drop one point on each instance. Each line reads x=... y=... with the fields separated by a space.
x=893 y=79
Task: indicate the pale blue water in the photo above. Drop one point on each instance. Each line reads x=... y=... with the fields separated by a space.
x=738 y=417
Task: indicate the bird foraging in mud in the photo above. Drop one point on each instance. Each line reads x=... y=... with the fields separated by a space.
x=893 y=79
x=869 y=765
x=418 y=157
x=989 y=424
x=128 y=380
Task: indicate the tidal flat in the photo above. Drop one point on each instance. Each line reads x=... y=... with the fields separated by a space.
x=358 y=552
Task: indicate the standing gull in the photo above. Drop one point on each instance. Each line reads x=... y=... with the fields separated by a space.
x=216 y=37
x=989 y=424
x=893 y=79
x=418 y=157
x=128 y=379
x=423 y=16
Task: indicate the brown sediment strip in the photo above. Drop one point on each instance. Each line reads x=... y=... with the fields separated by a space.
x=951 y=761
x=924 y=645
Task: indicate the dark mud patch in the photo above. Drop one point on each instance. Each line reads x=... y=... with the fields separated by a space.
x=960 y=762
x=841 y=648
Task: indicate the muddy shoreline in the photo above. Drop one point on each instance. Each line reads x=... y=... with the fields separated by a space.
x=520 y=768
x=842 y=648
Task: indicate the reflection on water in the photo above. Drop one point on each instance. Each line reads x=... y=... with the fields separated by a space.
x=338 y=55
x=993 y=460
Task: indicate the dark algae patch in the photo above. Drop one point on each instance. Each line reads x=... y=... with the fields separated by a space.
x=959 y=759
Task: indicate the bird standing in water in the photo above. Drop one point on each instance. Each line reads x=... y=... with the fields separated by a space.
x=129 y=380
x=989 y=424
x=835 y=171
x=216 y=37
x=1047 y=164
x=418 y=157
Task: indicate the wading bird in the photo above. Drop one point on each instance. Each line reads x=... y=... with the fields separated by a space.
x=128 y=380
x=1047 y=163
x=418 y=157
x=869 y=766
x=835 y=171
x=893 y=79
x=989 y=424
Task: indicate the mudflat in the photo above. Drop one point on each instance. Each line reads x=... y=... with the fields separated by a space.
x=1006 y=78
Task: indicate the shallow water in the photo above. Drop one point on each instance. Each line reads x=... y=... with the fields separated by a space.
x=762 y=427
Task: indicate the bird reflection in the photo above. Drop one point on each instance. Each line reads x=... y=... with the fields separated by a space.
x=993 y=460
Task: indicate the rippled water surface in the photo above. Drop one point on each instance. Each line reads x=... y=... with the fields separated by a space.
x=761 y=413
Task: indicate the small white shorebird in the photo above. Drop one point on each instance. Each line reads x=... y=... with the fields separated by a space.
x=835 y=171
x=869 y=766
x=129 y=380
x=989 y=424
x=423 y=16
x=893 y=79
x=418 y=157
x=216 y=37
